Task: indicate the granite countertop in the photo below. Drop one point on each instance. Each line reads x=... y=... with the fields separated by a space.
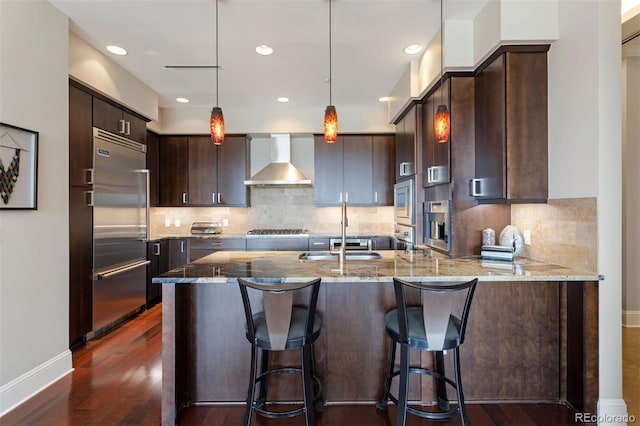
x=226 y=266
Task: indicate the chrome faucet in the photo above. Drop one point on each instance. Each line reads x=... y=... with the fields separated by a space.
x=343 y=238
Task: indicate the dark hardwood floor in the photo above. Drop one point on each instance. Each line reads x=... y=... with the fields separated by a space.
x=117 y=381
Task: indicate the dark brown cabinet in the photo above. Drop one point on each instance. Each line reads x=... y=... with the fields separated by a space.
x=178 y=252
x=319 y=243
x=152 y=165
x=406 y=133
x=355 y=169
x=116 y=120
x=201 y=247
x=278 y=244
x=436 y=163
x=381 y=243
x=511 y=128
x=80 y=137
x=195 y=172
x=158 y=256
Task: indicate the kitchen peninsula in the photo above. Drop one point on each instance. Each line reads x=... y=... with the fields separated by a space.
x=532 y=332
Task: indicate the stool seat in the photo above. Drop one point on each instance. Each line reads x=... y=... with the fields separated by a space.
x=417 y=336
x=297 y=334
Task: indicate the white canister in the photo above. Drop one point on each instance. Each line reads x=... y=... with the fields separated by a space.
x=488 y=237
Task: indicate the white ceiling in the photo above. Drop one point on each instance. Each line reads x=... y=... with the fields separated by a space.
x=367 y=41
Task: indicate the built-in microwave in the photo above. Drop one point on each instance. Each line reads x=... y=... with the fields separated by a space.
x=437 y=225
x=403 y=203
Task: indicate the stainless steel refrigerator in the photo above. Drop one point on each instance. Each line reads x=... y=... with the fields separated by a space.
x=120 y=227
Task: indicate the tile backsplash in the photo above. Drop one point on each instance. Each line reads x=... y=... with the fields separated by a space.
x=275 y=207
x=563 y=231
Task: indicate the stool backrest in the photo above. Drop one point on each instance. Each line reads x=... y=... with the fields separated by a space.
x=277 y=305
x=442 y=302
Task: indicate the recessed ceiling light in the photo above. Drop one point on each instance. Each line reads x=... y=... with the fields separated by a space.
x=384 y=99
x=182 y=100
x=117 y=50
x=263 y=49
x=412 y=49
x=283 y=99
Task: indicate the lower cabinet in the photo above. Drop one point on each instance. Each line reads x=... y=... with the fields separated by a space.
x=319 y=243
x=178 y=254
x=158 y=256
x=201 y=247
x=381 y=243
x=278 y=244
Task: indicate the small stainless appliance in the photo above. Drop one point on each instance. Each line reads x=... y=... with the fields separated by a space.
x=438 y=225
x=206 y=228
x=120 y=231
x=404 y=215
x=363 y=244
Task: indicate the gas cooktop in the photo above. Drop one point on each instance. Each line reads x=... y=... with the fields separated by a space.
x=278 y=232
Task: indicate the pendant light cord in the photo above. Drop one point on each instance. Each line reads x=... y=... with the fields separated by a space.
x=217 y=63
x=330 y=74
x=441 y=52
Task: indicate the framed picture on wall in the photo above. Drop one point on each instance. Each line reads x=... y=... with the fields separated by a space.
x=18 y=168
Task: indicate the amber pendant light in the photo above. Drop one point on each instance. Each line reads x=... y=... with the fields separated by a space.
x=330 y=114
x=216 y=123
x=442 y=121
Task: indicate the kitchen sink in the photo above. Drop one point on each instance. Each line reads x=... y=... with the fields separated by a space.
x=352 y=255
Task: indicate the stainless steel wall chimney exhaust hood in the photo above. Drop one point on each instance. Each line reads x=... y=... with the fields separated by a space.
x=279 y=171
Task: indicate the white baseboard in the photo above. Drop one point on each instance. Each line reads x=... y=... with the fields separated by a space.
x=612 y=412
x=24 y=387
x=630 y=318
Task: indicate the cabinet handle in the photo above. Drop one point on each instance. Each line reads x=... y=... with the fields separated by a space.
x=88 y=198
x=346 y=197
x=122 y=126
x=156 y=249
x=318 y=243
x=219 y=198
x=89 y=176
x=213 y=197
x=475 y=187
x=184 y=198
x=128 y=126
x=434 y=175
x=340 y=196
x=375 y=196
x=181 y=246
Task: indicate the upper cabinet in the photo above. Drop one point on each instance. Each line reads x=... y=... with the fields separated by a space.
x=80 y=137
x=195 y=172
x=436 y=163
x=406 y=133
x=356 y=169
x=116 y=120
x=511 y=127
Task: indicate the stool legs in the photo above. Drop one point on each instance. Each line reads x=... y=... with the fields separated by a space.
x=441 y=385
x=382 y=404
x=307 y=384
x=459 y=393
x=403 y=389
x=252 y=386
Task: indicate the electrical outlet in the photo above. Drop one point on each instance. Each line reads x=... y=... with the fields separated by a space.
x=167 y=222
x=526 y=234
x=176 y=223
x=225 y=222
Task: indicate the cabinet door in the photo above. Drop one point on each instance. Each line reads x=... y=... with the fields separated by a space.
x=490 y=130
x=173 y=171
x=381 y=243
x=436 y=155
x=232 y=171
x=136 y=127
x=80 y=136
x=80 y=265
x=203 y=160
x=318 y=243
x=108 y=117
x=277 y=244
x=357 y=169
x=405 y=145
x=328 y=161
x=177 y=253
x=158 y=255
x=152 y=165
x=384 y=159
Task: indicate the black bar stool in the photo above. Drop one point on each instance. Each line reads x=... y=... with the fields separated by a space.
x=281 y=326
x=436 y=326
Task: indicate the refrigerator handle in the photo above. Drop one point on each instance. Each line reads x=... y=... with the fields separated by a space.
x=156 y=249
x=117 y=271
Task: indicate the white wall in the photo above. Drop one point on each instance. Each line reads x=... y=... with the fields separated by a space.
x=34 y=257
